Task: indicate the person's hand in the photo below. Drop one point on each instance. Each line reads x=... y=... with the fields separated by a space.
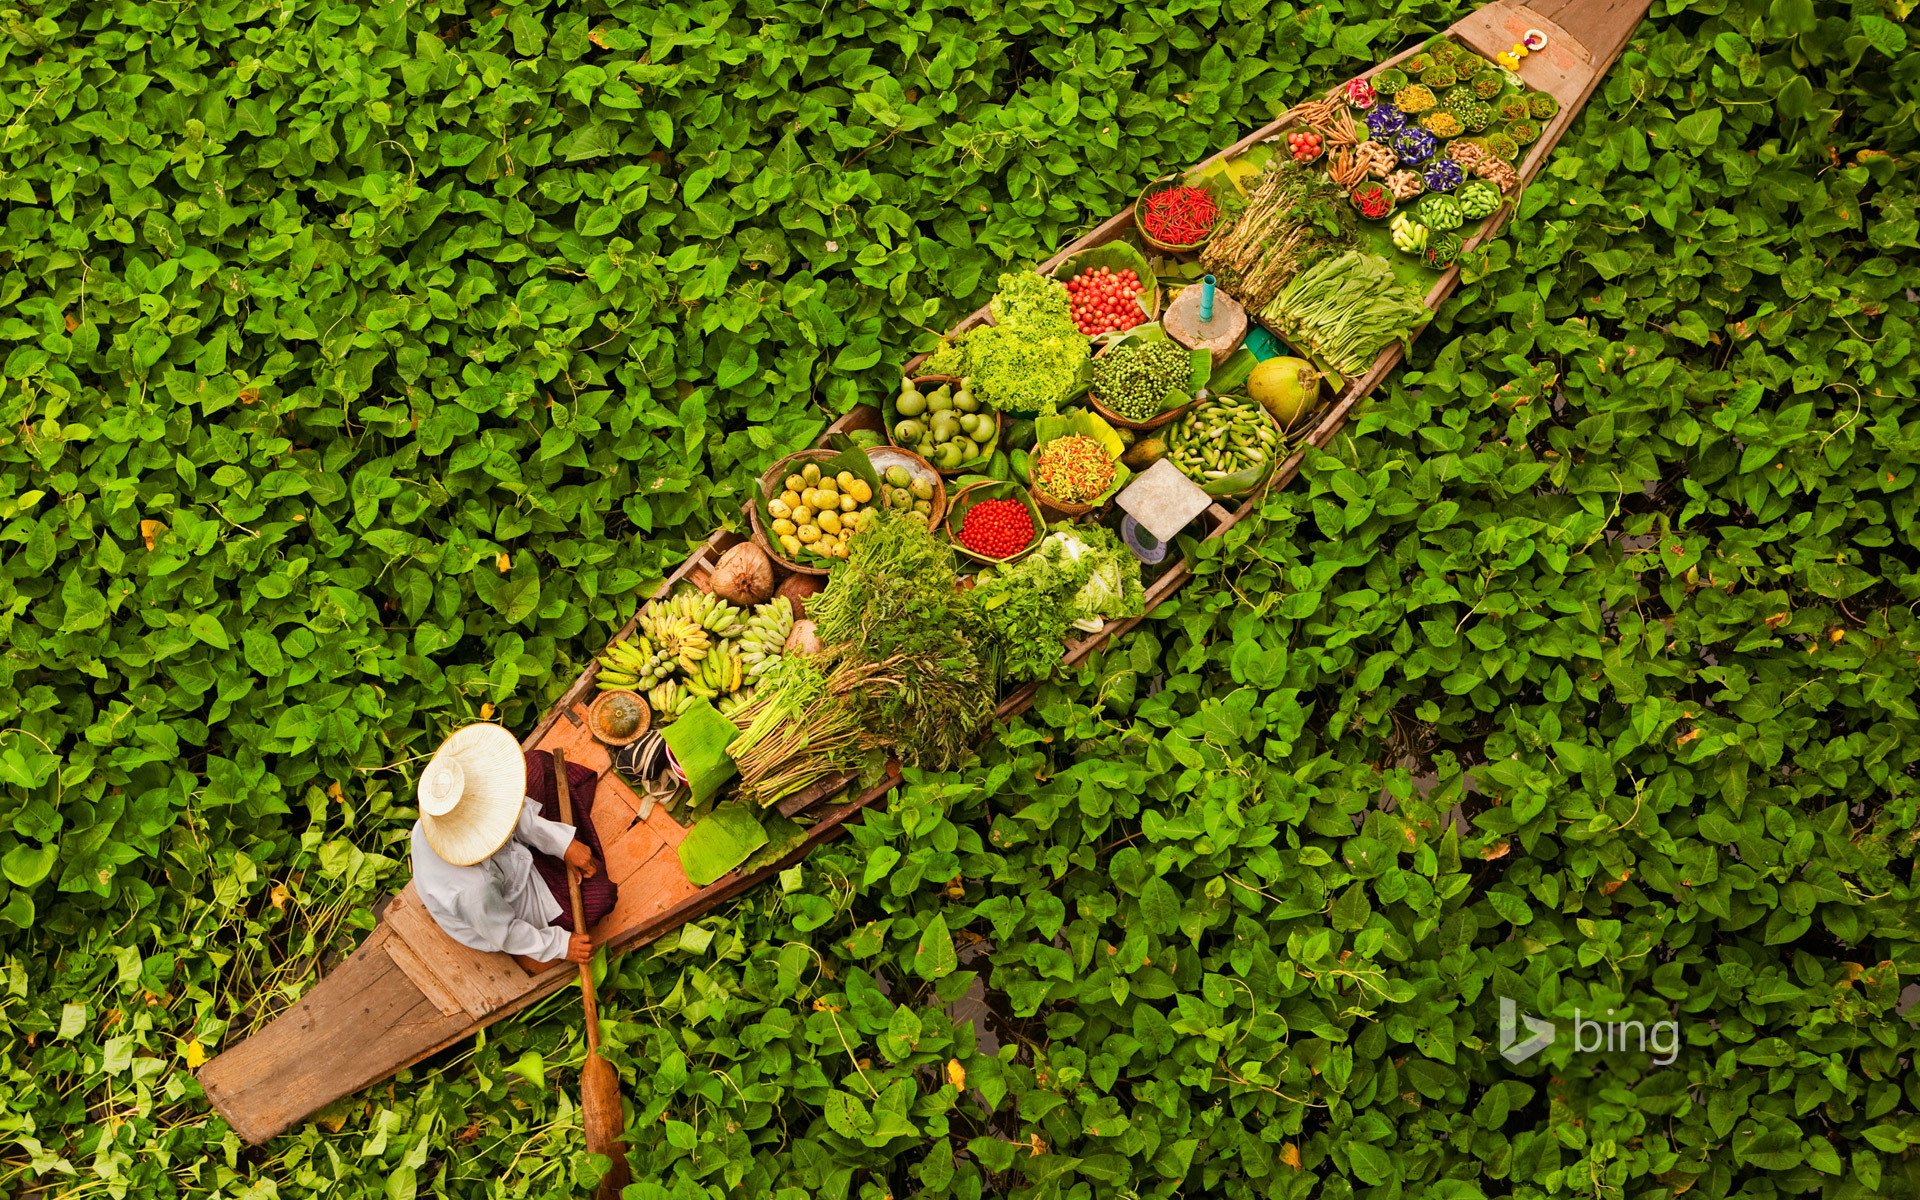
x=581 y=859
x=579 y=947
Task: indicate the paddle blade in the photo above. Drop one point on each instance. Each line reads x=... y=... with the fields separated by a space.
x=606 y=1122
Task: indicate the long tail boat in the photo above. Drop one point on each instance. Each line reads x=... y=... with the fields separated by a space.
x=410 y=991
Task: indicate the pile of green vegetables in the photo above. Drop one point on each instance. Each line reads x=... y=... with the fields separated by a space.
x=896 y=603
x=1345 y=309
x=1080 y=575
x=1032 y=359
x=1134 y=379
x=1225 y=444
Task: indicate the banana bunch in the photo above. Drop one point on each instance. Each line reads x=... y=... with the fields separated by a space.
x=633 y=664
x=708 y=611
x=732 y=704
x=720 y=674
x=679 y=637
x=668 y=700
x=766 y=632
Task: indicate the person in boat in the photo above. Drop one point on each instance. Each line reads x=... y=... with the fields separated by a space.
x=490 y=853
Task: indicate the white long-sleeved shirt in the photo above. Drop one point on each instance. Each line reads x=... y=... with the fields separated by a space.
x=499 y=903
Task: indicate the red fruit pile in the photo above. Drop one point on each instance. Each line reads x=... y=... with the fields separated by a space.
x=1306 y=145
x=1104 y=300
x=997 y=528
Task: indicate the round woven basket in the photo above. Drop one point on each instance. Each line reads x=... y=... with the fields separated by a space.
x=1162 y=184
x=1148 y=299
x=769 y=486
x=1114 y=418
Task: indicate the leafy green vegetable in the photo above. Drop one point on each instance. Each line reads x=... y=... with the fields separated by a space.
x=1031 y=359
x=1080 y=574
x=895 y=605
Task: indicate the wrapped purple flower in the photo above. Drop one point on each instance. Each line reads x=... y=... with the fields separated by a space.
x=1443 y=175
x=1384 y=120
x=1414 y=145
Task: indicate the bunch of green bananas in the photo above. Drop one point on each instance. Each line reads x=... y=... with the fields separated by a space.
x=730 y=705
x=633 y=664
x=706 y=610
x=668 y=700
x=721 y=673
x=766 y=633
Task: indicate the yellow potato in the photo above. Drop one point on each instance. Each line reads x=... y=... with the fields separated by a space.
x=829 y=522
x=791 y=545
x=802 y=515
x=846 y=480
x=808 y=533
x=795 y=483
x=783 y=526
x=811 y=473
x=790 y=498
x=779 y=508
x=859 y=490
x=848 y=504
x=839 y=549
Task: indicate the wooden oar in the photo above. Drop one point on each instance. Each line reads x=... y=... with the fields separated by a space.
x=600 y=1106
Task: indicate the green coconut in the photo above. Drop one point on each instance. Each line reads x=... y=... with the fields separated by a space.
x=1286 y=387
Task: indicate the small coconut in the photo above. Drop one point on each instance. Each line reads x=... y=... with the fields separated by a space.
x=802 y=640
x=798 y=589
x=743 y=575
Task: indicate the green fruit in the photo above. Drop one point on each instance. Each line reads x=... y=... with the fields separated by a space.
x=910 y=404
x=1145 y=452
x=944 y=426
x=899 y=476
x=964 y=401
x=969 y=449
x=940 y=401
x=1286 y=387
x=908 y=431
x=950 y=457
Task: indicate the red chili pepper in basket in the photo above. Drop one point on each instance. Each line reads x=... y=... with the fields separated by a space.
x=1181 y=215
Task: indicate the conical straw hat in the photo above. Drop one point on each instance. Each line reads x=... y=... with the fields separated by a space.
x=471 y=792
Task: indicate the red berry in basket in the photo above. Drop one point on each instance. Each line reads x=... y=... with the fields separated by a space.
x=997 y=528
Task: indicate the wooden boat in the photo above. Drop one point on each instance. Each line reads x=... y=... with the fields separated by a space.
x=410 y=991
